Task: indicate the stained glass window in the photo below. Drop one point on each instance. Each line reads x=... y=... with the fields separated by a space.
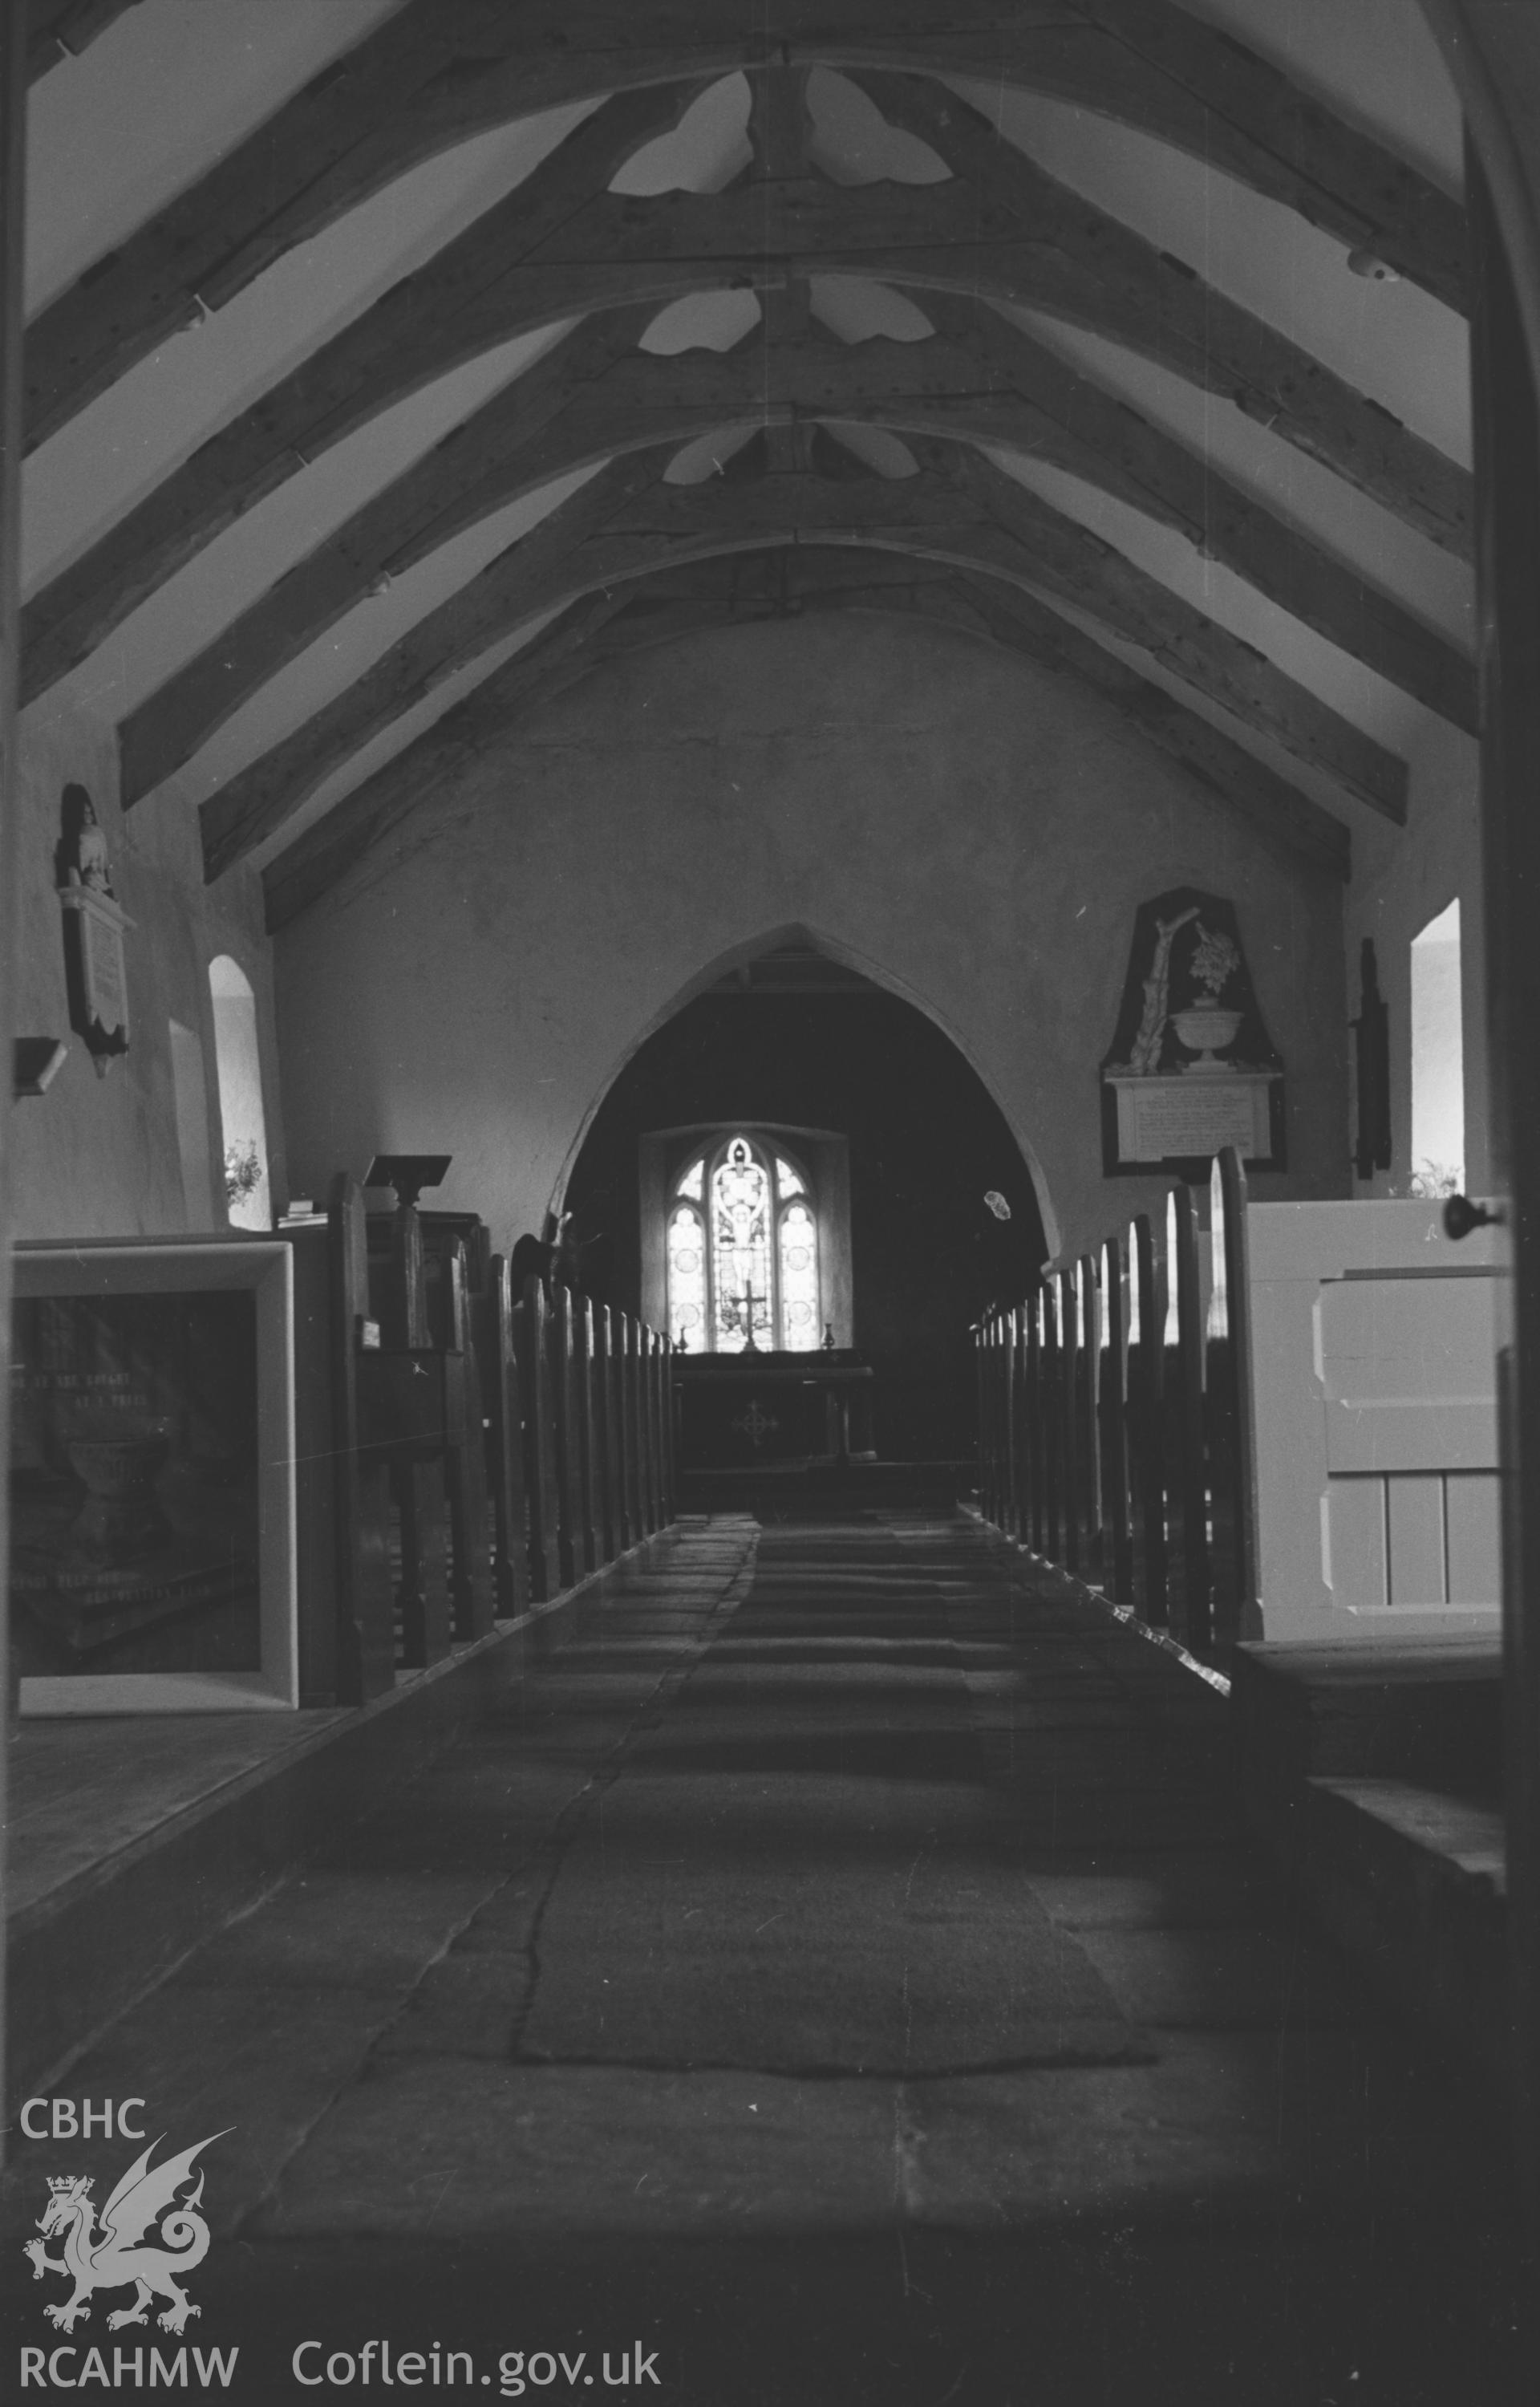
x=798 y=1278
x=741 y=1255
x=687 y=1279
x=743 y=1250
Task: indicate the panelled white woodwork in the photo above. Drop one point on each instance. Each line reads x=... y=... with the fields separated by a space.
x=1374 y=1341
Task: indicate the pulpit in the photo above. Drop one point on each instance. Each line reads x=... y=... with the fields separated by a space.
x=753 y=1409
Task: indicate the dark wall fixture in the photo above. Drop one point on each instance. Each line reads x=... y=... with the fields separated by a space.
x=34 y=1060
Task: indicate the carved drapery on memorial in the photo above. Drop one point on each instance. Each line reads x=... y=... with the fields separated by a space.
x=96 y=976
x=1191 y=1067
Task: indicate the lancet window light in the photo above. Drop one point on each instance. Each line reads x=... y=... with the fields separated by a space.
x=742 y=1252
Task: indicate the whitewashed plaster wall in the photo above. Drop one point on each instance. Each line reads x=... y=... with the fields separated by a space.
x=973 y=833
x=100 y=1157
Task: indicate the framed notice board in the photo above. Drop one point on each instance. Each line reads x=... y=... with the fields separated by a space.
x=152 y=1478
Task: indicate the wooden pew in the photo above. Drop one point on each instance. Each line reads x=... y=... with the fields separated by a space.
x=506 y=1445
x=564 y=1439
x=1088 y=1418
x=1189 y=1593
x=505 y=1442
x=659 y=1378
x=1008 y=1408
x=647 y=1430
x=989 y=1484
x=666 y=1467
x=1229 y=1419
x=471 y=1592
x=366 y=1616
x=624 y=1435
x=1052 y=1406
x=532 y=1350
x=631 y=1402
x=1146 y=1421
x=1069 y=1420
x=606 y=1435
x=1113 y=1423
x=588 y=1551
x=398 y=1284
x=1035 y=1450
x=1283 y=1426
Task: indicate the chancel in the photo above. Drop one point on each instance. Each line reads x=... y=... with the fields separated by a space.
x=773 y=1448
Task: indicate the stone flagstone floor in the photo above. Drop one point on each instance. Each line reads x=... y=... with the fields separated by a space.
x=840 y=1976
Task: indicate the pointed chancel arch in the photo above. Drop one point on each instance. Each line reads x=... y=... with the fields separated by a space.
x=866 y=1138
x=766 y=956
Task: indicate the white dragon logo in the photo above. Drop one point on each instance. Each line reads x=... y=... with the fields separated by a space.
x=111 y=2259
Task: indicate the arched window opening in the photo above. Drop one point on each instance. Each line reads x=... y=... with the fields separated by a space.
x=742 y=1253
x=1439 y=1065
x=243 y=1118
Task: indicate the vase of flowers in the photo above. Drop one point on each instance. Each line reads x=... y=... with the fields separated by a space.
x=1207 y=1027
x=242 y=1171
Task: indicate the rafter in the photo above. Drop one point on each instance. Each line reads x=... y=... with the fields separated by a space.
x=749 y=588
x=990 y=384
x=557 y=656
x=1040 y=246
x=1072 y=565
x=444 y=311
x=440 y=70
x=260 y=798
x=625 y=523
x=964 y=509
x=65 y=622
x=62 y=29
x=1078 y=425
x=1224 y=104
x=498 y=279
x=1067 y=257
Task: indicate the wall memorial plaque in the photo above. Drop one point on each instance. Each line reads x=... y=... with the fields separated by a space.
x=1191 y=1067
x=94 y=926
x=152 y=1478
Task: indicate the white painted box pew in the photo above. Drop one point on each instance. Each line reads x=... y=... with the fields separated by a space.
x=1374 y=1345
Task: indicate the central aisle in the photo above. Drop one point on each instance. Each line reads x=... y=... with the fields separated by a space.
x=806 y=1868
x=840 y=1974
